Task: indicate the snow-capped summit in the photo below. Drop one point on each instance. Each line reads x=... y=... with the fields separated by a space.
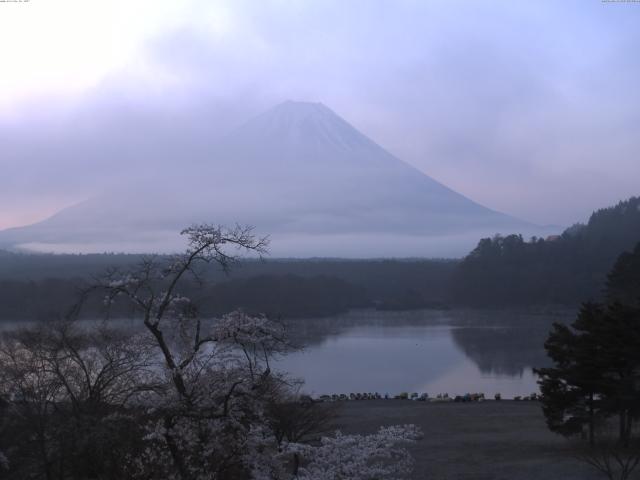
x=303 y=123
x=298 y=172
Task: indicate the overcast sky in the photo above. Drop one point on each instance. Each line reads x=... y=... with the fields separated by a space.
x=530 y=108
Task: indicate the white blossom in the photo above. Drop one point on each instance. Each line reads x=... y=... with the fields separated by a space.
x=359 y=457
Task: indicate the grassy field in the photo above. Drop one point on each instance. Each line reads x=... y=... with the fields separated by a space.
x=473 y=441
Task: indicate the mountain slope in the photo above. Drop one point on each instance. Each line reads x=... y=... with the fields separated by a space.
x=298 y=172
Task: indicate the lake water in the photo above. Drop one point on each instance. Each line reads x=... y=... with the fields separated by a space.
x=426 y=351
x=454 y=352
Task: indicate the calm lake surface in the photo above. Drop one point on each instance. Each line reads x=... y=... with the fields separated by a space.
x=425 y=351
x=430 y=351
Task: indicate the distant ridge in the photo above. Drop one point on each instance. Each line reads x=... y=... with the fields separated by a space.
x=562 y=269
x=298 y=172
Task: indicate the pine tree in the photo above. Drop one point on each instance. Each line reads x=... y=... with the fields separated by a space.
x=596 y=372
x=571 y=390
x=623 y=282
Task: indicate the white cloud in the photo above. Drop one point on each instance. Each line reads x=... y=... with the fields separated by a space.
x=513 y=104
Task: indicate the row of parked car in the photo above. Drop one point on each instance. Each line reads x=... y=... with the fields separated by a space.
x=421 y=397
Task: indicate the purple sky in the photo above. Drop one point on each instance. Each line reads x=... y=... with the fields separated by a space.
x=530 y=108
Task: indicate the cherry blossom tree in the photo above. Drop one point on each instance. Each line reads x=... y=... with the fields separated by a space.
x=200 y=395
x=359 y=457
x=217 y=373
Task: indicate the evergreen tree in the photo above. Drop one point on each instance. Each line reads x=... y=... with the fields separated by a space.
x=571 y=390
x=618 y=338
x=596 y=372
x=623 y=282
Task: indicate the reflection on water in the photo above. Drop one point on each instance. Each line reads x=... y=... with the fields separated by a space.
x=416 y=351
x=504 y=351
x=426 y=351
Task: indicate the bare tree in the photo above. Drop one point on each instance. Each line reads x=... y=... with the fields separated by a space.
x=614 y=459
x=65 y=389
x=296 y=419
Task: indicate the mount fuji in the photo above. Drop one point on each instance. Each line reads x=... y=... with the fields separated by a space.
x=299 y=173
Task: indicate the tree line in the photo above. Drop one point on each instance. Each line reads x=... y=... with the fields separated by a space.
x=564 y=269
x=501 y=271
x=45 y=287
